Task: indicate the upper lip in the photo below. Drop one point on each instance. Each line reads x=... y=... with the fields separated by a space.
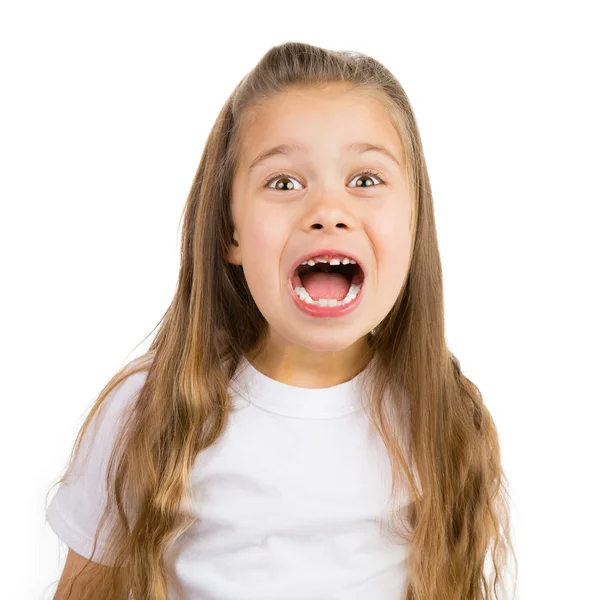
x=322 y=251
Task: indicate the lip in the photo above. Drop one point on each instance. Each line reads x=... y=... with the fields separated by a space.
x=316 y=310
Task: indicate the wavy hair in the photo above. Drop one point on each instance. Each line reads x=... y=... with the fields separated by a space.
x=458 y=516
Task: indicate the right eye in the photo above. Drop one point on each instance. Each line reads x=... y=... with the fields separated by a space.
x=284 y=186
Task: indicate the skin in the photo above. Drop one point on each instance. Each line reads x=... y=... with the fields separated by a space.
x=324 y=207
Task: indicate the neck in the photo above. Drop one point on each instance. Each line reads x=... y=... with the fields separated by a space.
x=301 y=367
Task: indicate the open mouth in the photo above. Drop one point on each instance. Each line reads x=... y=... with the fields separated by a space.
x=328 y=285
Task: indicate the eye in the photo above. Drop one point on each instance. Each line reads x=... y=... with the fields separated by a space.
x=371 y=175
x=281 y=186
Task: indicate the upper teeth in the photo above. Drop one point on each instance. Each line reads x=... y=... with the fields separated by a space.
x=332 y=261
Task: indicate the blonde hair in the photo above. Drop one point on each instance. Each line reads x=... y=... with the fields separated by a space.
x=459 y=511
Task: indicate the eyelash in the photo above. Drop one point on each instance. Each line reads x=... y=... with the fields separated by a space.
x=365 y=172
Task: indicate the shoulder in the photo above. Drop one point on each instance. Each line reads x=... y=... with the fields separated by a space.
x=125 y=392
x=123 y=395
x=112 y=413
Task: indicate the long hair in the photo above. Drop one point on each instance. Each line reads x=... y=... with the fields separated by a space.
x=459 y=515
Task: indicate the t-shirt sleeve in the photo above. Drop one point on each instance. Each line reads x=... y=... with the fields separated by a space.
x=75 y=510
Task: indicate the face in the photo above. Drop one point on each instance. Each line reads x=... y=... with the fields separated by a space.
x=293 y=204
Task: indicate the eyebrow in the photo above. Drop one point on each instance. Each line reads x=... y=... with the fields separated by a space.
x=287 y=149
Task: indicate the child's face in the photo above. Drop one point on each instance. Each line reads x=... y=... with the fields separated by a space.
x=321 y=201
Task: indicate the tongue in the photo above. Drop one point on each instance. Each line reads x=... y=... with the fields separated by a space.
x=326 y=285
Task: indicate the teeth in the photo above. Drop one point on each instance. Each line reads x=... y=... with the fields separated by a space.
x=305 y=296
x=333 y=261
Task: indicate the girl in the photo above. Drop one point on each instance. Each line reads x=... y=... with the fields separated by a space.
x=298 y=427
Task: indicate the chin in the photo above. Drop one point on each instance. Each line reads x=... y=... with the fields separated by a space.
x=327 y=341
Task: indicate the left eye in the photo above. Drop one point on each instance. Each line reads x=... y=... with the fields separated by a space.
x=370 y=175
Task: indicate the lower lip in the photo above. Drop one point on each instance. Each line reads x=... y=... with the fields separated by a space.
x=316 y=310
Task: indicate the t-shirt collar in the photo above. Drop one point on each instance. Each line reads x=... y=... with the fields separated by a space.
x=292 y=401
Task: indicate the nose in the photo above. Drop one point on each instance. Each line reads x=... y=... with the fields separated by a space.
x=329 y=211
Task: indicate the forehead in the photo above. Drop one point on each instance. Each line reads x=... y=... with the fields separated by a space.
x=324 y=121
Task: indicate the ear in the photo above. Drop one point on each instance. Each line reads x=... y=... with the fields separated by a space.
x=234 y=255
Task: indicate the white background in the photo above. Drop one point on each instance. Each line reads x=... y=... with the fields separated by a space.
x=105 y=109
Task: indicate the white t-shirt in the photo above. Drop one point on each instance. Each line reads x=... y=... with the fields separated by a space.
x=291 y=502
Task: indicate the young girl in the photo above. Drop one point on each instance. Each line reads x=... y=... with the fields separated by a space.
x=299 y=427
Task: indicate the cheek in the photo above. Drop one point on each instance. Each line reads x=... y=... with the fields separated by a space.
x=264 y=241
x=390 y=235
x=266 y=233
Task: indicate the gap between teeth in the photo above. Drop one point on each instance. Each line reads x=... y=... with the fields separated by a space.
x=305 y=296
x=334 y=261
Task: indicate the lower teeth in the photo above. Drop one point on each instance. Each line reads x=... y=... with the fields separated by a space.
x=305 y=297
